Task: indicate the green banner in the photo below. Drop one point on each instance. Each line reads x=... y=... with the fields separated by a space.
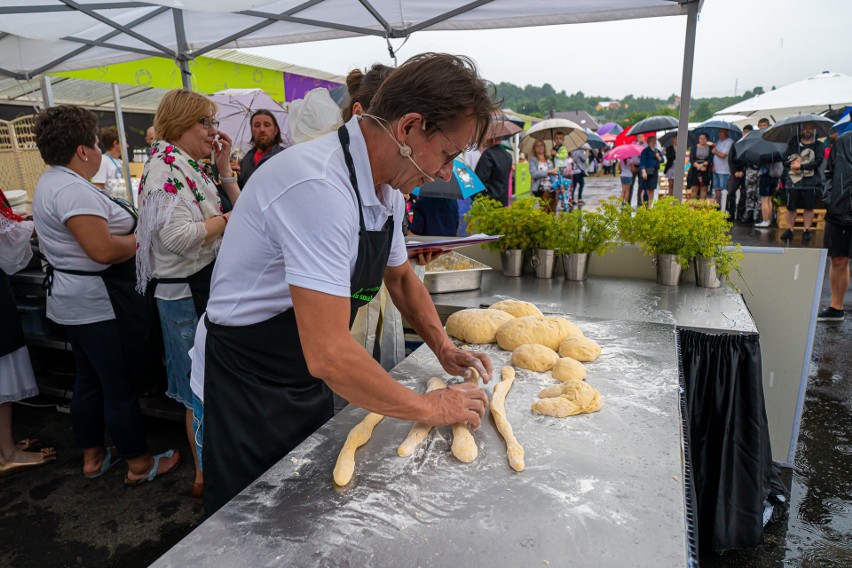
x=523 y=181
x=208 y=75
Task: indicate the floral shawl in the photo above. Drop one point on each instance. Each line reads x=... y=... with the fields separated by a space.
x=170 y=177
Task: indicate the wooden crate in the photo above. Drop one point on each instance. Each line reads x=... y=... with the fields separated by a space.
x=818 y=224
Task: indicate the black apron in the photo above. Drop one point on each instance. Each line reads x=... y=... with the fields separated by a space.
x=136 y=314
x=11 y=332
x=260 y=400
x=199 y=286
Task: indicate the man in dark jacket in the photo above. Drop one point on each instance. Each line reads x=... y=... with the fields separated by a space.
x=494 y=168
x=265 y=141
x=838 y=224
x=802 y=162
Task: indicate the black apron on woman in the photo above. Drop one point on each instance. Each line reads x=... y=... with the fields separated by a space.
x=260 y=400
x=11 y=332
x=136 y=315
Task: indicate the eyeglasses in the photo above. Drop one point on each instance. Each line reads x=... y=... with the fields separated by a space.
x=208 y=123
x=454 y=156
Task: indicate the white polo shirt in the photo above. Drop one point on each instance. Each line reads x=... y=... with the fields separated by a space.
x=296 y=222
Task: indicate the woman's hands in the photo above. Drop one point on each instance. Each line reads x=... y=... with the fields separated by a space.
x=222 y=153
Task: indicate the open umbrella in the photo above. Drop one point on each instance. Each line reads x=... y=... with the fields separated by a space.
x=575 y=135
x=785 y=129
x=501 y=127
x=235 y=109
x=623 y=152
x=753 y=149
x=594 y=140
x=843 y=116
x=462 y=185
x=712 y=127
x=624 y=138
x=667 y=139
x=610 y=128
x=609 y=137
x=653 y=124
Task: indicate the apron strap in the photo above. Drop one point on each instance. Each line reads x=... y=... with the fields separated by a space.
x=343 y=135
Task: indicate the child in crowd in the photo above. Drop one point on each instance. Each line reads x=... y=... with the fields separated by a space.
x=561 y=181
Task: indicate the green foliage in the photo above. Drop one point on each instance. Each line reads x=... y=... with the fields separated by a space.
x=524 y=225
x=581 y=231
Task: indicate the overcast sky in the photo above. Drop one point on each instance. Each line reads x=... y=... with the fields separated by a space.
x=739 y=42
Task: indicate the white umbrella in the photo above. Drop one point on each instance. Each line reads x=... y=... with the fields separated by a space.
x=575 y=135
x=235 y=109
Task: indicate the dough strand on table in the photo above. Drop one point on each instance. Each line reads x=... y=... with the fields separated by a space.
x=464 y=445
x=514 y=450
x=358 y=436
x=419 y=431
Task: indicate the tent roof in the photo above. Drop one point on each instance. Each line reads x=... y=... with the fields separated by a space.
x=56 y=35
x=134 y=98
x=812 y=95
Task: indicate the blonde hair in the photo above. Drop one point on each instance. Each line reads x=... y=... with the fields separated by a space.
x=179 y=111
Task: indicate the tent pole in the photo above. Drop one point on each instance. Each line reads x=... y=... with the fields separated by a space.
x=122 y=140
x=46 y=91
x=685 y=97
x=182 y=58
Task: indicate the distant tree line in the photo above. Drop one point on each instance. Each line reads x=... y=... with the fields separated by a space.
x=540 y=101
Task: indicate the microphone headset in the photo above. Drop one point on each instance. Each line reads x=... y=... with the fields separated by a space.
x=404 y=149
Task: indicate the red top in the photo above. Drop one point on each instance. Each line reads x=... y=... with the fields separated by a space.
x=259 y=154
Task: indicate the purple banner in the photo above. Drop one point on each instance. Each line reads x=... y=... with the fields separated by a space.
x=295 y=86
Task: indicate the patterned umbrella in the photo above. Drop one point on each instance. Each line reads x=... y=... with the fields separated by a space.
x=462 y=185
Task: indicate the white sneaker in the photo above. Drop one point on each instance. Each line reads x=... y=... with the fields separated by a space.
x=762 y=225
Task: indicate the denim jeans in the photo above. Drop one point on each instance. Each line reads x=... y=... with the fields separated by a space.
x=178 y=321
x=720 y=181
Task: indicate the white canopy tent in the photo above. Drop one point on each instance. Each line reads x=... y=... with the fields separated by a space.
x=813 y=95
x=40 y=36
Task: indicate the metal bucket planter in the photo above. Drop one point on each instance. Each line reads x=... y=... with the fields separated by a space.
x=668 y=269
x=512 y=261
x=576 y=266
x=543 y=262
x=705 y=273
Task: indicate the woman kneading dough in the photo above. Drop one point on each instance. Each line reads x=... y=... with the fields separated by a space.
x=287 y=281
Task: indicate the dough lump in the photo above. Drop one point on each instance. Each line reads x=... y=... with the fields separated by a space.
x=476 y=325
x=543 y=330
x=517 y=308
x=568 y=399
x=580 y=348
x=568 y=369
x=534 y=357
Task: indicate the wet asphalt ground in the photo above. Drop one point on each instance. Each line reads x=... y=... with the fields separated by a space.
x=53 y=517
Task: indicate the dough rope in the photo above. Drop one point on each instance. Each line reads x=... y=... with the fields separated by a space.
x=358 y=436
x=514 y=450
x=419 y=431
x=464 y=445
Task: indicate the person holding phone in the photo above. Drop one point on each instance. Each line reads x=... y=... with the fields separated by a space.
x=181 y=223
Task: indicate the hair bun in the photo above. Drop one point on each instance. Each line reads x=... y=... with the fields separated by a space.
x=353 y=81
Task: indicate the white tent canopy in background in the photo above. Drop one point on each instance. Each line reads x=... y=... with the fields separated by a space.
x=53 y=35
x=813 y=95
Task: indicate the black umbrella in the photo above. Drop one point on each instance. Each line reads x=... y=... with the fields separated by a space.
x=753 y=149
x=667 y=138
x=712 y=127
x=595 y=141
x=653 y=124
x=784 y=130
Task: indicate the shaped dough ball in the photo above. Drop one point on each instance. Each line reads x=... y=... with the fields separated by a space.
x=568 y=369
x=569 y=399
x=516 y=308
x=475 y=325
x=580 y=348
x=534 y=357
x=542 y=330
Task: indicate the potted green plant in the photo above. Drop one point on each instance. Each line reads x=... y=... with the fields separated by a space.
x=543 y=231
x=665 y=230
x=715 y=253
x=581 y=233
x=490 y=217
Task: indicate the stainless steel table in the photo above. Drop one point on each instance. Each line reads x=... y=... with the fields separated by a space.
x=605 y=489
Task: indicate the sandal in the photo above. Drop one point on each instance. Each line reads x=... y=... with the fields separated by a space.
x=8 y=468
x=108 y=464
x=155 y=469
x=26 y=444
